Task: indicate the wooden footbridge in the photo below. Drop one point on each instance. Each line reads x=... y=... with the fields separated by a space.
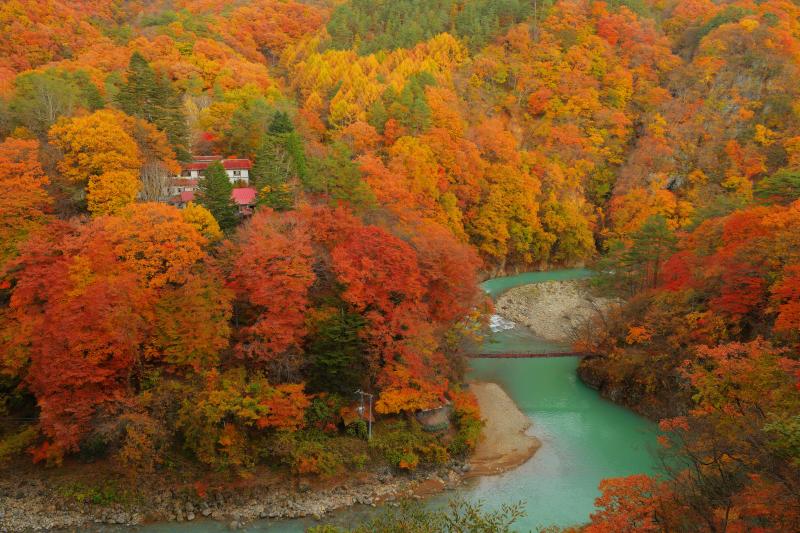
x=526 y=355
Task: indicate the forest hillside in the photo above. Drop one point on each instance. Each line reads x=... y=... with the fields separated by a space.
x=364 y=164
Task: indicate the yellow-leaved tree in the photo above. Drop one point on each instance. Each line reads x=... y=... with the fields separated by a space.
x=97 y=150
x=202 y=219
x=116 y=156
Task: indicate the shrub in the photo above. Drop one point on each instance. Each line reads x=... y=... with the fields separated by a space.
x=105 y=494
x=311 y=457
x=308 y=452
x=467 y=415
x=16 y=443
x=323 y=412
x=404 y=445
x=220 y=419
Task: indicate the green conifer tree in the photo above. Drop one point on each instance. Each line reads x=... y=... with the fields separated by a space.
x=214 y=193
x=336 y=353
x=377 y=115
x=274 y=172
x=651 y=245
x=281 y=123
x=146 y=95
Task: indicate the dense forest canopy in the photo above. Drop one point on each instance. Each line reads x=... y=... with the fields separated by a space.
x=400 y=151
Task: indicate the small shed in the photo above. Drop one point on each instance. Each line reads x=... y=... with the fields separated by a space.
x=435 y=419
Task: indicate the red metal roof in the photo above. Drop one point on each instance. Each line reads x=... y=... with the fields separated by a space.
x=240 y=196
x=183 y=198
x=228 y=164
x=244 y=195
x=236 y=164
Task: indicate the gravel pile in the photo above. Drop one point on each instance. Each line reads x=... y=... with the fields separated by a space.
x=553 y=310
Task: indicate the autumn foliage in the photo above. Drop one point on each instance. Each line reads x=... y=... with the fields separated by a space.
x=396 y=165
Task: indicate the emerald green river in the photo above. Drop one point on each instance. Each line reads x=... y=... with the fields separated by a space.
x=584 y=437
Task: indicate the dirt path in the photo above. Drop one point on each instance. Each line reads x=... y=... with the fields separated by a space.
x=504 y=444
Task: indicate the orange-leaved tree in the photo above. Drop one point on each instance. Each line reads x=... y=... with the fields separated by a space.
x=271 y=273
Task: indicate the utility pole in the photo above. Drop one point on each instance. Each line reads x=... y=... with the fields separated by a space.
x=361 y=411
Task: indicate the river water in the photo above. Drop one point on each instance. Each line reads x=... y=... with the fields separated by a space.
x=584 y=437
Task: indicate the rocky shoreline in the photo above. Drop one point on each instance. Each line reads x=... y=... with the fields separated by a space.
x=553 y=310
x=34 y=503
x=30 y=505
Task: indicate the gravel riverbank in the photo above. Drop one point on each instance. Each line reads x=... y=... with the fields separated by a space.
x=33 y=505
x=504 y=445
x=553 y=310
x=30 y=505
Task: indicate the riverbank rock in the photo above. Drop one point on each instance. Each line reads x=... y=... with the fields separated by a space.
x=553 y=310
x=25 y=509
x=619 y=382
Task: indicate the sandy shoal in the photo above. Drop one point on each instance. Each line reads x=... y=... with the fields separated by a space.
x=504 y=444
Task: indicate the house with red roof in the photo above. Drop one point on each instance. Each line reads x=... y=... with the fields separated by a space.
x=179 y=185
x=182 y=189
x=243 y=197
x=245 y=200
x=238 y=170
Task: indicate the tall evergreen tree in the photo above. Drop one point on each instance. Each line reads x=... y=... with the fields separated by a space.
x=148 y=96
x=651 y=245
x=137 y=96
x=336 y=351
x=338 y=178
x=410 y=107
x=279 y=164
x=377 y=115
x=281 y=123
x=215 y=195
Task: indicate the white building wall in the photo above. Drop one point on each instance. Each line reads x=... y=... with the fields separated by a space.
x=238 y=175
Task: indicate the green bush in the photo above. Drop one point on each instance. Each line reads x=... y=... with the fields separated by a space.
x=405 y=445
x=359 y=461
x=105 y=494
x=95 y=446
x=469 y=431
x=16 y=443
x=358 y=429
x=307 y=452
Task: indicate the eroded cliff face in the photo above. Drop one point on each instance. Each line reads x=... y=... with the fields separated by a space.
x=617 y=381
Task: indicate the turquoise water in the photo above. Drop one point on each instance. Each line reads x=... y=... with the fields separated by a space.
x=584 y=438
x=497 y=286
